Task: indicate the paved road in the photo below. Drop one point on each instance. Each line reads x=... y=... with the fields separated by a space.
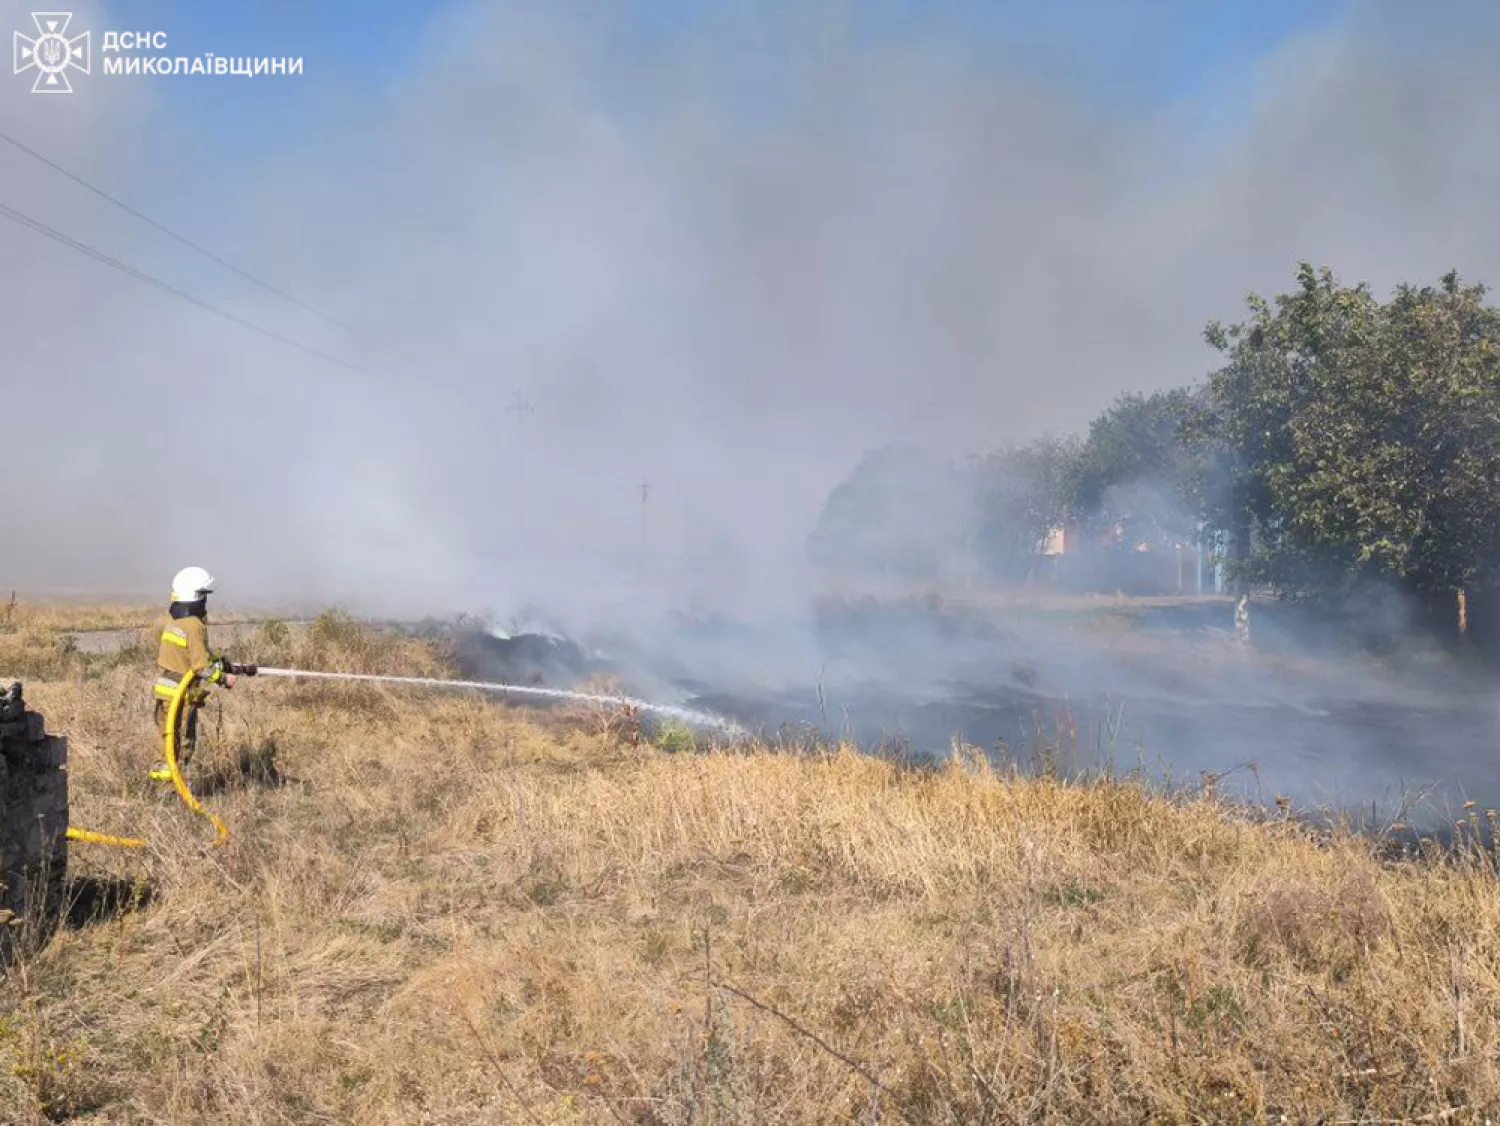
x=224 y=636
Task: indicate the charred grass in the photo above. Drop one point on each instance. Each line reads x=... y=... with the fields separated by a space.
x=434 y=909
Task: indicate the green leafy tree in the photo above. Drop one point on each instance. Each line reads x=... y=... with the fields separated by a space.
x=1361 y=439
x=1024 y=491
x=1146 y=462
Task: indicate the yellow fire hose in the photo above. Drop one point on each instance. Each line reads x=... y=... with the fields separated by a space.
x=169 y=739
x=91 y=837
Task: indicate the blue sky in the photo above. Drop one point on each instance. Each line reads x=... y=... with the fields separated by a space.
x=1127 y=53
x=1196 y=58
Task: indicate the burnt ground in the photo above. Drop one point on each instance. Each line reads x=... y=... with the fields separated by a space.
x=1166 y=694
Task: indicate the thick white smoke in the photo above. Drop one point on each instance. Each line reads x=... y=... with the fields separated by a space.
x=725 y=262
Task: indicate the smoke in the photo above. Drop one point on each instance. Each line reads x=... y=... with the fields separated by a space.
x=633 y=294
x=723 y=259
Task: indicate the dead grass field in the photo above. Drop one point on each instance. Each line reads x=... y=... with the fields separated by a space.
x=437 y=909
x=21 y=616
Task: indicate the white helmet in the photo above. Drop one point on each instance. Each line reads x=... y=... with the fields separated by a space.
x=190 y=584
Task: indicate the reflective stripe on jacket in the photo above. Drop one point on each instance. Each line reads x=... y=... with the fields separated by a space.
x=184 y=646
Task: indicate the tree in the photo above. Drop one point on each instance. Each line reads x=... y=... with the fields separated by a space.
x=902 y=511
x=1145 y=463
x=1361 y=439
x=1024 y=492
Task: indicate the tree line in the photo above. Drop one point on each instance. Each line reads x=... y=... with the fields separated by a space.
x=1342 y=441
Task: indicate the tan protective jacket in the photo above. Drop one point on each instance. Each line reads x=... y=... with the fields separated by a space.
x=184 y=646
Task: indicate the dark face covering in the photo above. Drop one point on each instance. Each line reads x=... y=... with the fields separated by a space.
x=196 y=609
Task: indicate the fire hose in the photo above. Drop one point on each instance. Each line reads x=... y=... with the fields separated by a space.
x=169 y=738
x=169 y=742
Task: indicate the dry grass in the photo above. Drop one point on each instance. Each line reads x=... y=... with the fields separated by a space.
x=19 y=615
x=435 y=909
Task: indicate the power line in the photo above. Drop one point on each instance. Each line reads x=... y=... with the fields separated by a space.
x=187 y=242
x=7 y=212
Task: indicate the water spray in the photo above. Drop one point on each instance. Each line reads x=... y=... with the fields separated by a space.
x=684 y=715
x=169 y=738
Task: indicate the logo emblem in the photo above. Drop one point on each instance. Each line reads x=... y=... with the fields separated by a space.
x=52 y=53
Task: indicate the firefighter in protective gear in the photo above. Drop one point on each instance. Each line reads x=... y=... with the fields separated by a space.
x=184 y=646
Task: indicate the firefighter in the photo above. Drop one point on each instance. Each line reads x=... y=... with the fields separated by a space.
x=184 y=645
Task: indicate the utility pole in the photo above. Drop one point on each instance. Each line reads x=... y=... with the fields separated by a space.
x=645 y=496
x=520 y=408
